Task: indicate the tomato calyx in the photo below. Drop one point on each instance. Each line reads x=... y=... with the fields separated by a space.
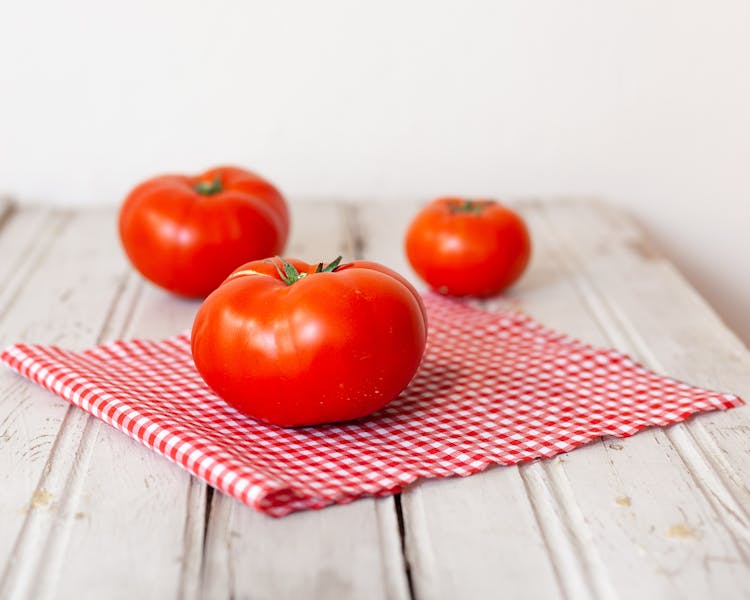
x=289 y=274
x=209 y=188
x=469 y=206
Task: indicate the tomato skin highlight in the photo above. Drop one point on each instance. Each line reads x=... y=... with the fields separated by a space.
x=188 y=241
x=330 y=347
x=468 y=247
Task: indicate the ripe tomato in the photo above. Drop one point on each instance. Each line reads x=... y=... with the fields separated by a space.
x=468 y=247
x=296 y=344
x=187 y=234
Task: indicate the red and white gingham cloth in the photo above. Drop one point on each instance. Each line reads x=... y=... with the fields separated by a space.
x=494 y=387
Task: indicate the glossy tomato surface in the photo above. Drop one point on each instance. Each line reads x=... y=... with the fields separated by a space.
x=186 y=234
x=468 y=247
x=318 y=347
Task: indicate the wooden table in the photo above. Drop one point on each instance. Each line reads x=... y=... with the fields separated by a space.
x=87 y=513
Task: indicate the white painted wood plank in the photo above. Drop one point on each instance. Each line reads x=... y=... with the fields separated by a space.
x=625 y=552
x=350 y=551
x=476 y=537
x=646 y=519
x=668 y=326
x=20 y=255
x=25 y=238
x=69 y=282
x=120 y=509
x=127 y=510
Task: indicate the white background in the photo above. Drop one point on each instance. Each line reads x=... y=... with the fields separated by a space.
x=641 y=103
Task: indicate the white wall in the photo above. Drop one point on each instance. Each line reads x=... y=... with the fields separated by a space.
x=642 y=103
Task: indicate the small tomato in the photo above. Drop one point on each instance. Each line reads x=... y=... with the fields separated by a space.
x=186 y=234
x=468 y=247
x=295 y=344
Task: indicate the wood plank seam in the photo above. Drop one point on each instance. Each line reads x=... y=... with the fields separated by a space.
x=357 y=246
x=591 y=562
x=191 y=571
x=622 y=251
x=357 y=545
x=707 y=479
x=695 y=456
x=402 y=535
x=47 y=226
x=425 y=507
x=32 y=257
x=686 y=446
x=564 y=530
x=685 y=438
x=702 y=438
x=74 y=436
x=713 y=455
x=595 y=308
x=419 y=554
x=216 y=563
x=129 y=291
x=563 y=525
x=733 y=516
x=211 y=497
x=708 y=474
x=48 y=559
x=424 y=502
x=623 y=335
x=563 y=578
x=7 y=209
x=57 y=299
x=182 y=557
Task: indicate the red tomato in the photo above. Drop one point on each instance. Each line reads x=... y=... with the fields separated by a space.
x=187 y=234
x=468 y=247
x=296 y=344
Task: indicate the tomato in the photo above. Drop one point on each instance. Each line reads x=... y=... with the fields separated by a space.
x=468 y=247
x=187 y=234
x=295 y=344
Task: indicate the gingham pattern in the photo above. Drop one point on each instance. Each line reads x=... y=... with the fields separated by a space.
x=493 y=388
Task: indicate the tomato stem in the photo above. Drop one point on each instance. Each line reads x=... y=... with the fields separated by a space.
x=470 y=206
x=209 y=188
x=289 y=274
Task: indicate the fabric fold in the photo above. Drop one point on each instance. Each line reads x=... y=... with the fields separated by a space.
x=494 y=387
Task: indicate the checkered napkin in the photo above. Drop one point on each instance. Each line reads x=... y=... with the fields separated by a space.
x=494 y=387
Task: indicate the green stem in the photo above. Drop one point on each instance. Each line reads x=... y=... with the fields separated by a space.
x=209 y=188
x=470 y=206
x=289 y=274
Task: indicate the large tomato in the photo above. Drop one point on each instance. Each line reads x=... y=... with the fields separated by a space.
x=295 y=344
x=468 y=247
x=187 y=233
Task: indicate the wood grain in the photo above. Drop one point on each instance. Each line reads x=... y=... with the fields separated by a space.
x=96 y=485
x=70 y=276
x=647 y=309
x=664 y=514
x=123 y=491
